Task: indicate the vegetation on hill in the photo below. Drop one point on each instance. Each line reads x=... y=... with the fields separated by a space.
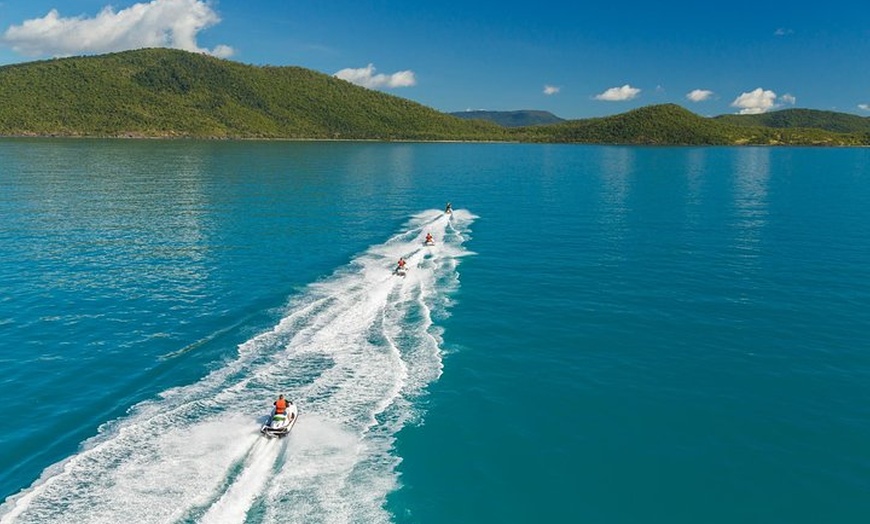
x=524 y=117
x=805 y=118
x=651 y=125
x=172 y=93
x=670 y=124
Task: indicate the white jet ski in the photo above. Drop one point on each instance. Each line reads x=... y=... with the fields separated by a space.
x=280 y=425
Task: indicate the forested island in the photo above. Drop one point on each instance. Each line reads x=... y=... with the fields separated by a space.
x=167 y=93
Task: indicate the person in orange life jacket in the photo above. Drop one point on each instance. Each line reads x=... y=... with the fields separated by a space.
x=280 y=405
x=401 y=263
x=429 y=237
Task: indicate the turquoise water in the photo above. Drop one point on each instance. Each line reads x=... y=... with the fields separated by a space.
x=601 y=334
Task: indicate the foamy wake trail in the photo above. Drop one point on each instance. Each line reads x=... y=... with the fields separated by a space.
x=354 y=351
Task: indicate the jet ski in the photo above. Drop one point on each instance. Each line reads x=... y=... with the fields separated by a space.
x=402 y=268
x=280 y=425
x=428 y=242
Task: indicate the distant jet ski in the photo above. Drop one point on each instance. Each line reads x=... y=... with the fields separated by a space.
x=280 y=425
x=429 y=243
x=400 y=271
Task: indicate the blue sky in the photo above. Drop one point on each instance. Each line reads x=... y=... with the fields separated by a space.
x=575 y=59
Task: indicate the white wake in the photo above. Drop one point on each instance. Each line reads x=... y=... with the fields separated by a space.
x=353 y=351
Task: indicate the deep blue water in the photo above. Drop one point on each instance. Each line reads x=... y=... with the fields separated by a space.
x=601 y=334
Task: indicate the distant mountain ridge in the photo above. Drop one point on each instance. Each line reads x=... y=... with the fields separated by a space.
x=520 y=118
x=170 y=93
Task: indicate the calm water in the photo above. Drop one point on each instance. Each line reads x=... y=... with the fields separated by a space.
x=601 y=334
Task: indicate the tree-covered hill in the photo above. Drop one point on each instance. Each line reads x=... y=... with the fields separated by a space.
x=653 y=125
x=805 y=118
x=172 y=93
x=523 y=117
x=670 y=124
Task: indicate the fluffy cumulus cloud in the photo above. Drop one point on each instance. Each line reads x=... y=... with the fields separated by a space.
x=864 y=107
x=699 y=95
x=551 y=90
x=755 y=102
x=366 y=77
x=618 y=94
x=788 y=99
x=159 y=23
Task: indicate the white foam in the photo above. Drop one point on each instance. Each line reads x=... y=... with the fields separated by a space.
x=353 y=350
x=234 y=504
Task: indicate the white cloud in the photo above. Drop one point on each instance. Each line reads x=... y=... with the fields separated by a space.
x=366 y=77
x=865 y=107
x=223 y=51
x=782 y=31
x=551 y=90
x=618 y=94
x=788 y=99
x=699 y=95
x=755 y=102
x=159 y=23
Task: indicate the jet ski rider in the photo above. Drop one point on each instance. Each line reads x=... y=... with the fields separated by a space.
x=280 y=405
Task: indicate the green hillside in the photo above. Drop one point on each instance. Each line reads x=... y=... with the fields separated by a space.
x=171 y=93
x=523 y=117
x=653 y=125
x=805 y=118
x=670 y=124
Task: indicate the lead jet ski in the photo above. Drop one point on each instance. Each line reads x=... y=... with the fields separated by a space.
x=279 y=425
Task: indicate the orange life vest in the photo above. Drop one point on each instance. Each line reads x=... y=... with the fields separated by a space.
x=280 y=406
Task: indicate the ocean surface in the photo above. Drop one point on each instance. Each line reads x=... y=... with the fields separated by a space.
x=598 y=335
